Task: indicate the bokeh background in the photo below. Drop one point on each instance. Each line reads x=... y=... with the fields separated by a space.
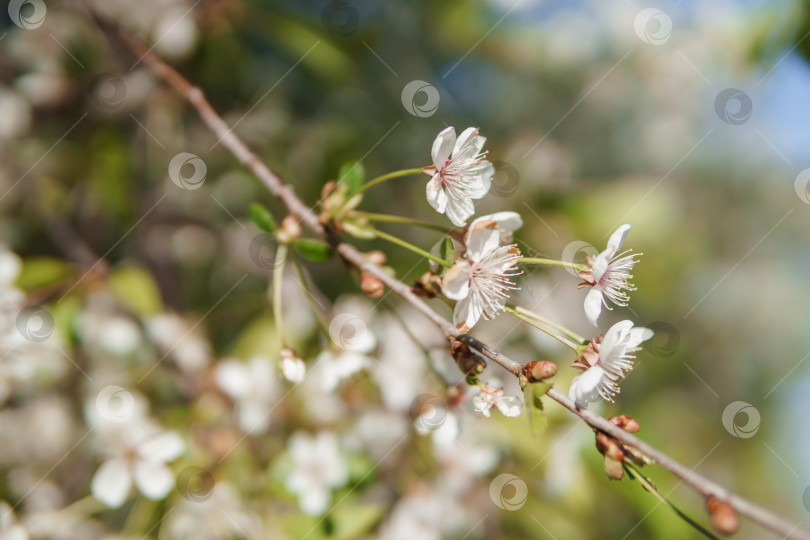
x=687 y=120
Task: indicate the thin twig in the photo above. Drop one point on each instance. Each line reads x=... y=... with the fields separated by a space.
x=296 y=206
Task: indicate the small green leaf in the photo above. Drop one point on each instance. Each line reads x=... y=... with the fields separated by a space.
x=352 y=174
x=449 y=254
x=137 y=290
x=313 y=250
x=262 y=218
x=38 y=272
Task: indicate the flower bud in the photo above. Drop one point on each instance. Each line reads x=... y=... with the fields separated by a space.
x=290 y=229
x=625 y=422
x=614 y=469
x=328 y=188
x=468 y=362
x=429 y=285
x=539 y=371
x=376 y=257
x=371 y=285
x=608 y=447
x=724 y=518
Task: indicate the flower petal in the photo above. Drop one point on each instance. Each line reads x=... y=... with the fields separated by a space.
x=111 y=483
x=484 y=171
x=232 y=377
x=154 y=480
x=467 y=312
x=638 y=335
x=469 y=144
x=585 y=386
x=459 y=209
x=593 y=305
x=456 y=281
x=315 y=500
x=442 y=146
x=510 y=406
x=507 y=221
x=615 y=337
x=164 y=447
x=482 y=239
x=436 y=197
x=616 y=240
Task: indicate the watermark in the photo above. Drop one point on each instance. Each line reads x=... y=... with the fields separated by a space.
x=665 y=341
x=350 y=332
x=428 y=98
x=28 y=14
x=35 y=323
x=802 y=186
x=508 y=492
x=263 y=251
x=577 y=252
x=108 y=91
x=429 y=412
x=506 y=179
x=340 y=18
x=187 y=171
x=733 y=106
x=730 y=415
x=653 y=26
x=195 y=484
x=115 y=404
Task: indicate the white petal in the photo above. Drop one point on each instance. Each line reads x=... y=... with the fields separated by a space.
x=163 y=448
x=436 y=197
x=456 y=281
x=459 y=210
x=111 y=483
x=600 y=265
x=614 y=337
x=233 y=378
x=593 y=305
x=254 y=416
x=639 y=334
x=467 y=312
x=507 y=221
x=469 y=143
x=154 y=480
x=314 y=501
x=616 y=240
x=442 y=146
x=584 y=387
x=510 y=406
x=293 y=369
x=482 y=239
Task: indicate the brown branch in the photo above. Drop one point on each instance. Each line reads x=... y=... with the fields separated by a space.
x=296 y=206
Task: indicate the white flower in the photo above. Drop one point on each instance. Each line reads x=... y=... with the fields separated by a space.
x=491 y=395
x=334 y=367
x=253 y=387
x=611 y=363
x=292 y=367
x=480 y=281
x=139 y=452
x=608 y=275
x=461 y=174
x=318 y=468
x=177 y=338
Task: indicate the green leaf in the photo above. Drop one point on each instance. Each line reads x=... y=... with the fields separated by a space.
x=354 y=521
x=262 y=218
x=352 y=174
x=313 y=250
x=533 y=403
x=38 y=272
x=136 y=289
x=449 y=253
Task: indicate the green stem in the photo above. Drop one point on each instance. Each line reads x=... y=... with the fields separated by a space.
x=635 y=474
x=380 y=179
x=278 y=275
x=386 y=218
x=565 y=341
x=409 y=246
x=551 y=262
x=543 y=320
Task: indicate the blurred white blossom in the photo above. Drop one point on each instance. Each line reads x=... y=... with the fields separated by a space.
x=318 y=468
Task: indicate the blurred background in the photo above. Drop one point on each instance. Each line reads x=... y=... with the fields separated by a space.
x=132 y=299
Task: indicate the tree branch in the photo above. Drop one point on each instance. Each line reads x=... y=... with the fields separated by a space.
x=286 y=194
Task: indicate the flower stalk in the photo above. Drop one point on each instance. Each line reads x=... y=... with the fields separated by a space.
x=389 y=176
